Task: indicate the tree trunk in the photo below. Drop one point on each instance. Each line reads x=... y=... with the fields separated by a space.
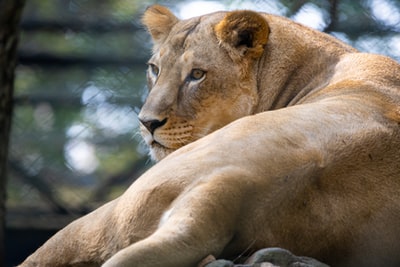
x=10 y=13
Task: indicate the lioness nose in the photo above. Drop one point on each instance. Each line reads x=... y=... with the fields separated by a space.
x=152 y=125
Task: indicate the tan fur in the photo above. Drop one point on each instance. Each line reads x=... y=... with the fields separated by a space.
x=231 y=29
x=159 y=20
x=306 y=156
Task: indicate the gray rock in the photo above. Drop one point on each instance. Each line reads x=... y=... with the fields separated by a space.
x=283 y=258
x=271 y=257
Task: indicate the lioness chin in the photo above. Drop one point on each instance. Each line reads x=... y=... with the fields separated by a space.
x=282 y=137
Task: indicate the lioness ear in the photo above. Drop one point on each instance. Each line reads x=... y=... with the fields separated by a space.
x=246 y=31
x=159 y=21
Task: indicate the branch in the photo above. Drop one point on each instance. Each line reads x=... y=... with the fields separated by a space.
x=51 y=60
x=69 y=100
x=333 y=16
x=10 y=14
x=30 y=25
x=45 y=189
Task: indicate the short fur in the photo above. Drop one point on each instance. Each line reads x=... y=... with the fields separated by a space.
x=306 y=156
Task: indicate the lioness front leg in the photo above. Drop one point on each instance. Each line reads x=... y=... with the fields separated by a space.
x=200 y=222
x=79 y=243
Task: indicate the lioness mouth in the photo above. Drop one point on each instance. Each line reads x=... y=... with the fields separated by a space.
x=159 y=145
x=155 y=143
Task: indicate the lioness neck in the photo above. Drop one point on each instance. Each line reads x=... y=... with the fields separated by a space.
x=291 y=51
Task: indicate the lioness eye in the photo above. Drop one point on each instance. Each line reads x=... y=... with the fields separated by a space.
x=197 y=74
x=154 y=69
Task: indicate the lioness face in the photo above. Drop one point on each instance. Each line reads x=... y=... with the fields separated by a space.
x=194 y=85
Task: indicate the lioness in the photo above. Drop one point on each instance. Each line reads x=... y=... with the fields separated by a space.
x=307 y=155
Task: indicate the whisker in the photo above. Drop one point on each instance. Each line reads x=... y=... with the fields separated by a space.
x=247 y=249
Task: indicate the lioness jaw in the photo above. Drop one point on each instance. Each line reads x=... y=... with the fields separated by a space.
x=270 y=134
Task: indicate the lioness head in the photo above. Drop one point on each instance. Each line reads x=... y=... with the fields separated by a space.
x=200 y=75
